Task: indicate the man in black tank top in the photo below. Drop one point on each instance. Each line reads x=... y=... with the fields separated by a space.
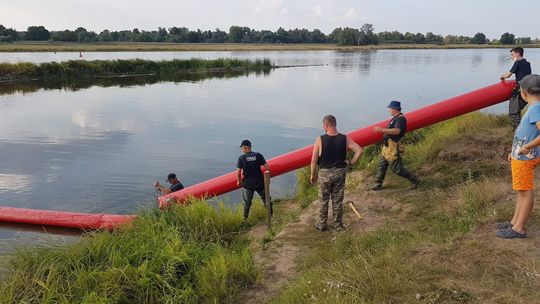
x=392 y=149
x=329 y=166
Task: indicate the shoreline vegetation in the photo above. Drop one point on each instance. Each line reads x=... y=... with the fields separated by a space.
x=231 y=47
x=81 y=69
x=430 y=245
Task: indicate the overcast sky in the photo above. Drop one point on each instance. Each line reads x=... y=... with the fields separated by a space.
x=465 y=17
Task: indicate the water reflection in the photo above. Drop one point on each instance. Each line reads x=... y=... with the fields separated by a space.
x=11 y=87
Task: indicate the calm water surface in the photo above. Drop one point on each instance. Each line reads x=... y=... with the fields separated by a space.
x=99 y=149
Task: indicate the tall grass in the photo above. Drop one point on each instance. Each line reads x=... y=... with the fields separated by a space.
x=407 y=257
x=187 y=254
x=81 y=68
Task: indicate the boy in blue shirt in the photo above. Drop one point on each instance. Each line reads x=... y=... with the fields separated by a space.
x=524 y=158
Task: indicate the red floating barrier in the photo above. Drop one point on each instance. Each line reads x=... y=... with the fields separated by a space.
x=417 y=119
x=420 y=118
x=63 y=219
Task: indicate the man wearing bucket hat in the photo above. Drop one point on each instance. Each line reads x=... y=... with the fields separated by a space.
x=392 y=149
x=176 y=185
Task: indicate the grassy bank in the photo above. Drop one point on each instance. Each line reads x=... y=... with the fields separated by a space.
x=158 y=47
x=193 y=254
x=439 y=246
x=74 y=69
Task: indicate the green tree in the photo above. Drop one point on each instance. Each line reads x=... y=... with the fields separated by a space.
x=507 y=38
x=432 y=38
x=37 y=33
x=282 y=36
x=367 y=35
x=524 y=40
x=349 y=36
x=105 y=36
x=236 y=33
x=479 y=38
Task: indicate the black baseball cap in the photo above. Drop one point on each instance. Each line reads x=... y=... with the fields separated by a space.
x=171 y=176
x=245 y=143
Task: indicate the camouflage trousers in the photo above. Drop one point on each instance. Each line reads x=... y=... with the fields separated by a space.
x=331 y=186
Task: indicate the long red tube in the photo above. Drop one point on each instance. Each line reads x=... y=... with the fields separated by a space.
x=420 y=118
x=63 y=219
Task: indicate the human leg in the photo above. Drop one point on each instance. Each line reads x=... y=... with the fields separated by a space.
x=247 y=195
x=338 y=193
x=325 y=184
x=381 y=172
x=525 y=203
x=398 y=168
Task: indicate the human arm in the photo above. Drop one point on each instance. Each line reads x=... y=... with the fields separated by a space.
x=506 y=75
x=392 y=131
x=161 y=188
x=357 y=150
x=238 y=177
x=530 y=145
x=314 y=160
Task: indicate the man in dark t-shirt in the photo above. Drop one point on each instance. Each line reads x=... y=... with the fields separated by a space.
x=392 y=149
x=520 y=68
x=250 y=177
x=176 y=185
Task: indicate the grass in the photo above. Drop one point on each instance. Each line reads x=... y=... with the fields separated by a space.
x=432 y=255
x=139 y=47
x=76 y=69
x=188 y=254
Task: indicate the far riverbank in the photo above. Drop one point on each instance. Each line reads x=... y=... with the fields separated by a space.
x=191 y=47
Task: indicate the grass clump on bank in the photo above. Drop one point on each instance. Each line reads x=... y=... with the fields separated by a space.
x=439 y=252
x=188 y=254
x=74 y=69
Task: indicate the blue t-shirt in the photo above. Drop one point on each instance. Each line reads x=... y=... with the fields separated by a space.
x=527 y=132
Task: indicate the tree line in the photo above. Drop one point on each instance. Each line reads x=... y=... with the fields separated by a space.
x=365 y=35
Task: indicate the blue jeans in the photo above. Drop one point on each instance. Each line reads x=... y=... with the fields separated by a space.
x=247 y=195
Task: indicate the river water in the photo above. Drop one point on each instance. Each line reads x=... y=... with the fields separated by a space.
x=98 y=148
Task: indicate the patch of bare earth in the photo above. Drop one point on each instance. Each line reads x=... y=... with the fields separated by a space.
x=279 y=258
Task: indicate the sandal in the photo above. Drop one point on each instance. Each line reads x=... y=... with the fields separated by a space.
x=510 y=233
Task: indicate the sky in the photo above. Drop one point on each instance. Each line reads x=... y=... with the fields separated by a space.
x=461 y=17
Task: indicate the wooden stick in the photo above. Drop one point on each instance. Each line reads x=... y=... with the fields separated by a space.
x=268 y=200
x=350 y=203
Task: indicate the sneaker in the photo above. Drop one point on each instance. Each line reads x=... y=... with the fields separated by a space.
x=321 y=227
x=503 y=225
x=510 y=233
x=377 y=187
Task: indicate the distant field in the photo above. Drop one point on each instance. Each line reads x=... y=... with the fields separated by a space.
x=135 y=47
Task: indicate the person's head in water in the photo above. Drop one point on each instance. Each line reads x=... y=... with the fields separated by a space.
x=245 y=146
x=171 y=178
x=329 y=123
x=394 y=107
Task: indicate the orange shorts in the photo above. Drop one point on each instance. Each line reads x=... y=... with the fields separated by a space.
x=523 y=173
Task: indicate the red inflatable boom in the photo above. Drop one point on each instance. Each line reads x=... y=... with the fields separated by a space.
x=63 y=219
x=420 y=118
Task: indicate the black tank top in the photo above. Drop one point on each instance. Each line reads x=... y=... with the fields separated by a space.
x=334 y=151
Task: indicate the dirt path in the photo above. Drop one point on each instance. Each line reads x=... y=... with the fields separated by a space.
x=280 y=259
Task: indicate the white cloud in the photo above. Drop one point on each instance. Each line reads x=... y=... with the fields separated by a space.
x=317 y=11
x=284 y=11
x=351 y=13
